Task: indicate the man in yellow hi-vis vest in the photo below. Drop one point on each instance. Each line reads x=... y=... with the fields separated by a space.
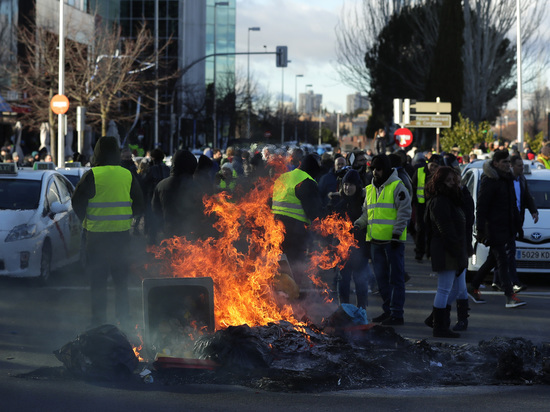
x=386 y=213
x=296 y=202
x=106 y=199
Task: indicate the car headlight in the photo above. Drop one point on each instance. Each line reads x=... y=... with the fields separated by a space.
x=21 y=232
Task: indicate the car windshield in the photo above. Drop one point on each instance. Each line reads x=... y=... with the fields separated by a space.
x=540 y=190
x=18 y=194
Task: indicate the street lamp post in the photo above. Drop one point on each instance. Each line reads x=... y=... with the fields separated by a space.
x=306 y=124
x=519 y=92
x=248 y=84
x=320 y=112
x=296 y=106
x=61 y=90
x=215 y=139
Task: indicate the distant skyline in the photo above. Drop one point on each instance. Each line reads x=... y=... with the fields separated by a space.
x=307 y=28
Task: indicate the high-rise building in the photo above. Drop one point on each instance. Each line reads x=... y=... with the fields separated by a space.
x=310 y=103
x=357 y=101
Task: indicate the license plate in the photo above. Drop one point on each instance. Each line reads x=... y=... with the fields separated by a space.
x=529 y=254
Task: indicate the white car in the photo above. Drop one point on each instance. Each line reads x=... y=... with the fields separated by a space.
x=533 y=251
x=38 y=227
x=73 y=171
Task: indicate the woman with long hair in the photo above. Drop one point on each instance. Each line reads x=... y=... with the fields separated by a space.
x=447 y=221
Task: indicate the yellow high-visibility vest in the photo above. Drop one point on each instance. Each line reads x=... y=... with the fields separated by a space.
x=110 y=210
x=421 y=174
x=382 y=213
x=285 y=201
x=545 y=162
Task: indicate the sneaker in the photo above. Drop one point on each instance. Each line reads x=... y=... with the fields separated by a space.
x=519 y=288
x=475 y=294
x=513 y=301
x=496 y=287
x=382 y=317
x=391 y=321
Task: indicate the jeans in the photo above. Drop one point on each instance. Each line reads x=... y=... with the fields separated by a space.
x=389 y=269
x=459 y=290
x=357 y=267
x=445 y=281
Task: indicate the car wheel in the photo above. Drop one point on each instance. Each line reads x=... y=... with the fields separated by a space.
x=45 y=263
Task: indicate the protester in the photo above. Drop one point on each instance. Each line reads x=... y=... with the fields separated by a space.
x=386 y=212
x=447 y=223
x=105 y=200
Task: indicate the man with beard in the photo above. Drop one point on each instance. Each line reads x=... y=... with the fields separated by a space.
x=358 y=161
x=387 y=210
x=497 y=223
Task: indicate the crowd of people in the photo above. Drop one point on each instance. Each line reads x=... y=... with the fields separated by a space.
x=385 y=196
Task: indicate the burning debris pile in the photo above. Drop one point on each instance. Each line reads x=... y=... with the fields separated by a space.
x=282 y=357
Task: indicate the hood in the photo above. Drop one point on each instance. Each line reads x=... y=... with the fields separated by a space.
x=183 y=162
x=12 y=218
x=310 y=165
x=491 y=172
x=204 y=163
x=106 y=152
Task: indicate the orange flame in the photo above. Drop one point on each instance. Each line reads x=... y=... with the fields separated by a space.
x=137 y=349
x=244 y=259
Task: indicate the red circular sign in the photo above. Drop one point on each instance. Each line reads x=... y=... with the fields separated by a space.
x=403 y=137
x=267 y=134
x=59 y=104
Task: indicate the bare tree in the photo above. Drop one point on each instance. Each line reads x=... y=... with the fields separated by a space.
x=538 y=105
x=488 y=23
x=105 y=75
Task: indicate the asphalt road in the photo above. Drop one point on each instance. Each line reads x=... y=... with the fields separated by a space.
x=36 y=321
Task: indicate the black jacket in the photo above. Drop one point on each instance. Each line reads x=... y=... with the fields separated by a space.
x=497 y=216
x=448 y=225
x=526 y=199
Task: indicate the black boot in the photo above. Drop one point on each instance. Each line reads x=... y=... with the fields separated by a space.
x=429 y=321
x=462 y=309
x=441 y=324
x=448 y=315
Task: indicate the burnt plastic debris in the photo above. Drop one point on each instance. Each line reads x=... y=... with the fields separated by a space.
x=102 y=353
x=236 y=347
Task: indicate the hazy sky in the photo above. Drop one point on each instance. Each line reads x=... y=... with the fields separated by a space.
x=307 y=27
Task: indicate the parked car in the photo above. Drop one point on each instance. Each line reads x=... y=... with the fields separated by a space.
x=38 y=226
x=73 y=172
x=533 y=251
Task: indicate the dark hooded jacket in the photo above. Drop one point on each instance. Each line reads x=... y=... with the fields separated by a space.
x=497 y=216
x=308 y=191
x=177 y=199
x=106 y=153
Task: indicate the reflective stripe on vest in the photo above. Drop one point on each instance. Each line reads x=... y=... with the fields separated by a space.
x=382 y=213
x=285 y=201
x=421 y=174
x=110 y=210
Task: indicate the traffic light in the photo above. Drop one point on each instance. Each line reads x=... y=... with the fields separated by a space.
x=397 y=111
x=281 y=56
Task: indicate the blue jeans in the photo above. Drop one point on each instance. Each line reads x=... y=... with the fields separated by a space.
x=459 y=290
x=357 y=267
x=389 y=269
x=445 y=280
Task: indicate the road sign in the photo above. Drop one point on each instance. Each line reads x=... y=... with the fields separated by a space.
x=267 y=134
x=59 y=104
x=403 y=137
x=431 y=107
x=430 y=120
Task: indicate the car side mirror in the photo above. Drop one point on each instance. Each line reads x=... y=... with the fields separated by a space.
x=57 y=207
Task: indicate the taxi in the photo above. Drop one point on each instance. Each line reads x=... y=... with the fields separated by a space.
x=38 y=227
x=533 y=251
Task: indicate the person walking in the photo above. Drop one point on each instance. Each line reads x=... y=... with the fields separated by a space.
x=386 y=212
x=447 y=222
x=497 y=223
x=106 y=199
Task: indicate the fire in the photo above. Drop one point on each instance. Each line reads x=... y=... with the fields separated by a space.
x=244 y=259
x=137 y=349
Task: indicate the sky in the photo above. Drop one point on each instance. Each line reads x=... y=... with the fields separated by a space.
x=307 y=28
